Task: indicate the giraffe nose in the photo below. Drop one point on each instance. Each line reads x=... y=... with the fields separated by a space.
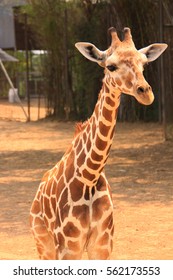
x=142 y=89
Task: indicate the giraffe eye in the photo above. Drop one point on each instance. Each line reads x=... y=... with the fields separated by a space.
x=112 y=68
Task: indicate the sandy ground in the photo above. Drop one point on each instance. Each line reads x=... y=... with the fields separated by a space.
x=140 y=171
x=19 y=111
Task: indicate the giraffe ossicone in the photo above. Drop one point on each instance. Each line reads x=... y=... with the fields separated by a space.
x=73 y=210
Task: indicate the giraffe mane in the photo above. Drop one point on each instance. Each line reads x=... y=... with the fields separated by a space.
x=79 y=127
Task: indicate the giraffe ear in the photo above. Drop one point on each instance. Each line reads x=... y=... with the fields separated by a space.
x=153 y=51
x=91 y=52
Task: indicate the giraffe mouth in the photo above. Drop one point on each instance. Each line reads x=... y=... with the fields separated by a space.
x=145 y=98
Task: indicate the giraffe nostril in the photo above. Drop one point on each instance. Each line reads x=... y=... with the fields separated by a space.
x=143 y=89
x=140 y=90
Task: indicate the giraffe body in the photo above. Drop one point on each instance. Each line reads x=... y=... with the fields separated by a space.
x=73 y=210
x=73 y=203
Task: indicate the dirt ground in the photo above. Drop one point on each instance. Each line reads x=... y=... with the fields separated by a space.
x=140 y=172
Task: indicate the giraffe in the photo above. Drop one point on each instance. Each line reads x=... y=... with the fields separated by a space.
x=73 y=209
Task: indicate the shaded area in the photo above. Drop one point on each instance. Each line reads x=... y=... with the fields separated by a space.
x=143 y=174
x=28 y=159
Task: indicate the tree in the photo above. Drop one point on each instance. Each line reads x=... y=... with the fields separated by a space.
x=73 y=83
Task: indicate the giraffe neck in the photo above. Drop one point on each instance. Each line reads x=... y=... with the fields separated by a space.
x=93 y=143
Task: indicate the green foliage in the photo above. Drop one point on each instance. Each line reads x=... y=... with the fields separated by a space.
x=72 y=83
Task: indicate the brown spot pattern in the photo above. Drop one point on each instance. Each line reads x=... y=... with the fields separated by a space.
x=46 y=221
x=82 y=214
x=108 y=222
x=118 y=82
x=88 y=129
x=79 y=147
x=64 y=199
x=101 y=144
x=128 y=84
x=53 y=203
x=60 y=187
x=95 y=156
x=39 y=230
x=74 y=246
x=93 y=191
x=113 y=83
x=36 y=207
x=105 y=88
x=65 y=212
x=130 y=76
x=101 y=184
x=61 y=241
x=104 y=239
x=110 y=102
x=111 y=245
x=57 y=222
x=76 y=141
x=84 y=137
x=69 y=172
x=86 y=195
x=99 y=206
x=60 y=169
x=38 y=221
x=47 y=208
x=107 y=114
x=81 y=158
x=54 y=186
x=87 y=175
x=76 y=190
x=92 y=165
x=88 y=144
x=104 y=129
x=93 y=128
x=52 y=226
x=71 y=230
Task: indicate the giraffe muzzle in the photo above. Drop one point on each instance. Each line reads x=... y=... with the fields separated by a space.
x=144 y=95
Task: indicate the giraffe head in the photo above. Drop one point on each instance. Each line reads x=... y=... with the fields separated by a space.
x=124 y=64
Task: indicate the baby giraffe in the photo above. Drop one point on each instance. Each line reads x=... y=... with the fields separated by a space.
x=72 y=210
